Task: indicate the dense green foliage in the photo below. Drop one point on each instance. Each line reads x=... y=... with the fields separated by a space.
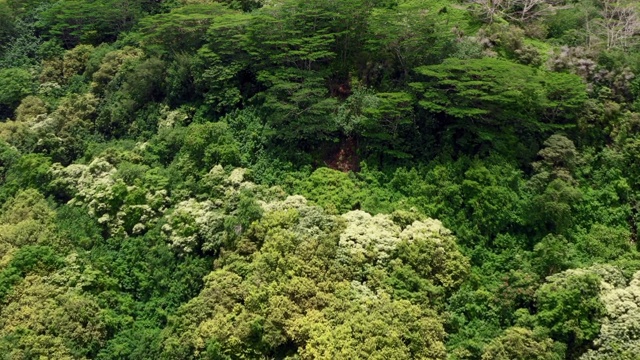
x=295 y=179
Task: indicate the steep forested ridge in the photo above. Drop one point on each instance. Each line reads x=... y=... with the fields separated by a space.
x=319 y=179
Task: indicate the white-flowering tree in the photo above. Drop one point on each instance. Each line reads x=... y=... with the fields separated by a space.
x=205 y=225
x=193 y=223
x=369 y=238
x=123 y=209
x=290 y=287
x=620 y=332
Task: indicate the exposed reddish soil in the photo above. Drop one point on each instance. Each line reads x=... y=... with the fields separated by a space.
x=345 y=159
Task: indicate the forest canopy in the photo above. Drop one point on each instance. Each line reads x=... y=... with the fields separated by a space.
x=295 y=179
